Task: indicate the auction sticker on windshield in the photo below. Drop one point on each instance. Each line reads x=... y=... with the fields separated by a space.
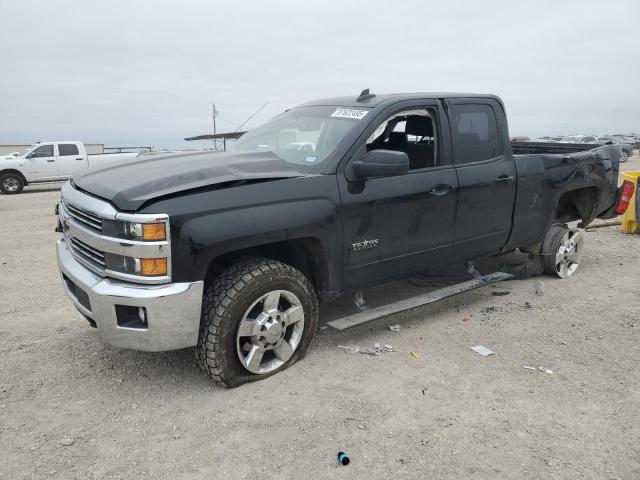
x=349 y=113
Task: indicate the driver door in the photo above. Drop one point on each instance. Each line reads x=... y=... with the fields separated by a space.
x=393 y=227
x=41 y=164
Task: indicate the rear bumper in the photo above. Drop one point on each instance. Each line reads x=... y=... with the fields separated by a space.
x=171 y=312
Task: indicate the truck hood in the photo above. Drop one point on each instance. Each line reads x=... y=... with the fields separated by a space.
x=131 y=183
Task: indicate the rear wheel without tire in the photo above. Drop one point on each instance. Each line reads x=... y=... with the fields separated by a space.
x=11 y=183
x=258 y=318
x=562 y=251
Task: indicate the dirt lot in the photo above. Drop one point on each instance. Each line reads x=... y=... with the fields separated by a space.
x=72 y=408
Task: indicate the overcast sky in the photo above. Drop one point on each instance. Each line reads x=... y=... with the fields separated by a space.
x=145 y=72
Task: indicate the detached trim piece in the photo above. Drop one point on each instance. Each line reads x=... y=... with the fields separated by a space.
x=361 y=318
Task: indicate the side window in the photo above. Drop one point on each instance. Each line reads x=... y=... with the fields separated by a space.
x=66 y=149
x=410 y=131
x=475 y=133
x=43 y=151
x=588 y=139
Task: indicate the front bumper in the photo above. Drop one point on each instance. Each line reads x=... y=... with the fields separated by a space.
x=171 y=312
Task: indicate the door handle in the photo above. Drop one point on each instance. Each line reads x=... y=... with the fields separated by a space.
x=504 y=178
x=79 y=158
x=50 y=161
x=442 y=189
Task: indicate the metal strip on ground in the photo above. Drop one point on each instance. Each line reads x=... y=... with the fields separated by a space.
x=372 y=314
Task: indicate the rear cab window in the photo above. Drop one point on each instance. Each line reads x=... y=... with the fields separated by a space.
x=67 y=149
x=475 y=133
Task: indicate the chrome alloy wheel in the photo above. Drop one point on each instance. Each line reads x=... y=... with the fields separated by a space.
x=270 y=331
x=569 y=253
x=11 y=184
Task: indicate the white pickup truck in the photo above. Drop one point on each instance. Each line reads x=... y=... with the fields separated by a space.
x=49 y=162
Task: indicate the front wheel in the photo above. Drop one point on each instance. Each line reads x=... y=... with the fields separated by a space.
x=625 y=156
x=11 y=183
x=258 y=318
x=562 y=251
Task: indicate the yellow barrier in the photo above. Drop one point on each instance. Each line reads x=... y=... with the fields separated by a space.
x=630 y=222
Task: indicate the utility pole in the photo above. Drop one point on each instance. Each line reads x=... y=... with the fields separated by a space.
x=214 y=113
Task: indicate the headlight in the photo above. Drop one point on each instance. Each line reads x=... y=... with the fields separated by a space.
x=147 y=232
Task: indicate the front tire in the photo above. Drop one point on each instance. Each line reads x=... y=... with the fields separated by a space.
x=11 y=183
x=258 y=318
x=562 y=251
x=625 y=156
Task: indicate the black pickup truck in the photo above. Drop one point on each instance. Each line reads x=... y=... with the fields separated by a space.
x=230 y=253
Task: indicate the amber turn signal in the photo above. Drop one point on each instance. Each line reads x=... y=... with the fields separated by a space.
x=153 y=267
x=154 y=231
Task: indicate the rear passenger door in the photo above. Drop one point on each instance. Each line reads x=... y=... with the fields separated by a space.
x=69 y=159
x=486 y=176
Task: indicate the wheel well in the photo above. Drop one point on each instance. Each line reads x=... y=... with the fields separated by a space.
x=305 y=254
x=577 y=204
x=9 y=170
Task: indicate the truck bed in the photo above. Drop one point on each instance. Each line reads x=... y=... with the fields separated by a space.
x=524 y=148
x=546 y=171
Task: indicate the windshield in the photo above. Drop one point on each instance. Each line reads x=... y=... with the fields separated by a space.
x=305 y=135
x=24 y=152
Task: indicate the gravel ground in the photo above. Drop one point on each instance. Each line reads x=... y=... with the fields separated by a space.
x=73 y=408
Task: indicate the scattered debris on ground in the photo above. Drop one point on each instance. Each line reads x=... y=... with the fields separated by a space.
x=484 y=351
x=500 y=293
x=343 y=459
x=350 y=348
x=542 y=369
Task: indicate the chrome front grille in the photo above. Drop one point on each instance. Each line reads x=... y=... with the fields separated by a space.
x=88 y=253
x=83 y=216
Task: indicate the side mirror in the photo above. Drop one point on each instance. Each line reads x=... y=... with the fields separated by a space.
x=381 y=163
x=31 y=155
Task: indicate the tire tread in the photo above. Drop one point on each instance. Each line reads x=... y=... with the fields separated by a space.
x=220 y=295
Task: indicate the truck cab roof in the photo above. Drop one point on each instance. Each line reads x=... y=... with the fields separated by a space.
x=385 y=99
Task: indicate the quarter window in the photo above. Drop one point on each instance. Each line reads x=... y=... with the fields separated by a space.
x=66 y=149
x=475 y=133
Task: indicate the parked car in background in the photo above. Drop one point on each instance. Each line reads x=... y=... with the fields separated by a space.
x=579 y=138
x=49 y=162
x=627 y=150
x=629 y=139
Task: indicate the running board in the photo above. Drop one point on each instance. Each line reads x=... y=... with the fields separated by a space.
x=360 y=318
